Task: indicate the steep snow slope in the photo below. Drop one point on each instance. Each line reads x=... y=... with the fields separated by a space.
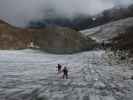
x=110 y=30
x=32 y=75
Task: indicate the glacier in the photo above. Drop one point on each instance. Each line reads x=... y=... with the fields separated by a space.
x=32 y=75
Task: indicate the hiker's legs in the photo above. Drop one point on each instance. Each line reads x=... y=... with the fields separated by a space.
x=59 y=70
x=65 y=76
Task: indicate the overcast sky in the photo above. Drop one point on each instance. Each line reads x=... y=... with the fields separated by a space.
x=20 y=12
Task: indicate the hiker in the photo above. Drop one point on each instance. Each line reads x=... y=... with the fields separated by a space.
x=59 y=68
x=65 y=73
x=103 y=44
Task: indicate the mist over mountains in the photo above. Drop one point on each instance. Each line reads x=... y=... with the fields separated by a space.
x=81 y=22
x=20 y=13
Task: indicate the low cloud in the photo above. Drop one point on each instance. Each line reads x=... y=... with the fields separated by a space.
x=20 y=12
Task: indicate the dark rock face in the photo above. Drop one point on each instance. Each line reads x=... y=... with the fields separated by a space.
x=62 y=40
x=124 y=41
x=78 y=23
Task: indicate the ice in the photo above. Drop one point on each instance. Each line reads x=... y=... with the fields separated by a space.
x=32 y=75
x=109 y=98
x=94 y=97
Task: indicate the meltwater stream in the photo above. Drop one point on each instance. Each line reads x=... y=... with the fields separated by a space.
x=32 y=75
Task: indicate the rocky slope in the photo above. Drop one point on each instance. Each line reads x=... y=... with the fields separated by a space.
x=110 y=30
x=52 y=39
x=62 y=40
x=124 y=41
x=12 y=37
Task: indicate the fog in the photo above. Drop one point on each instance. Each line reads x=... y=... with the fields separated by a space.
x=20 y=12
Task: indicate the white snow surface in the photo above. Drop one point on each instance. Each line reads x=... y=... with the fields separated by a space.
x=32 y=75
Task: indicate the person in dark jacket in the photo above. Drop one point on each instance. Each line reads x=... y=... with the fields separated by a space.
x=103 y=44
x=65 y=73
x=59 y=68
